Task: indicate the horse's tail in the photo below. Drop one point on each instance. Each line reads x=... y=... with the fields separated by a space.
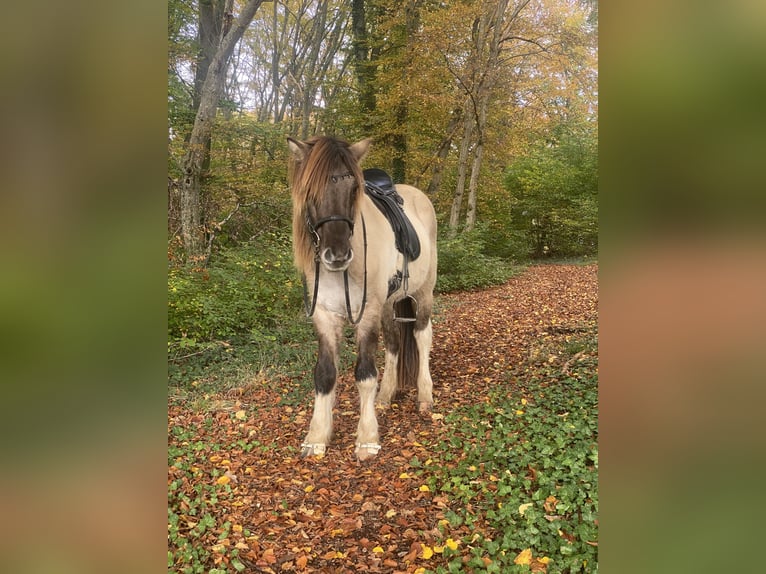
x=409 y=359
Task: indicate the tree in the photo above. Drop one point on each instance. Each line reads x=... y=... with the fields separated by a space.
x=192 y=232
x=452 y=91
x=553 y=200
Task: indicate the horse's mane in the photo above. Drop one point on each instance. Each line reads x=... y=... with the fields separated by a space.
x=308 y=177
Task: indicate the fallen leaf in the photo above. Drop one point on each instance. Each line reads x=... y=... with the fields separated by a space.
x=524 y=507
x=268 y=556
x=424 y=488
x=523 y=557
x=378 y=550
x=550 y=504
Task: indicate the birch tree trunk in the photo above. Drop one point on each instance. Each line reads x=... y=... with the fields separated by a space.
x=192 y=232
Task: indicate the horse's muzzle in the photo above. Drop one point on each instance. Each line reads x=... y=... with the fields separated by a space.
x=333 y=261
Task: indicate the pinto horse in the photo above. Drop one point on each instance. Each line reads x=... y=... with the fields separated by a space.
x=346 y=250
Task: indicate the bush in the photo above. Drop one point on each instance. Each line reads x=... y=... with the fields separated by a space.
x=244 y=293
x=464 y=265
x=553 y=195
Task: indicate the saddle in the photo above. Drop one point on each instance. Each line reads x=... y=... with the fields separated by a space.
x=380 y=189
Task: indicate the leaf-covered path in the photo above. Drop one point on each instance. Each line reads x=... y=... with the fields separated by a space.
x=240 y=498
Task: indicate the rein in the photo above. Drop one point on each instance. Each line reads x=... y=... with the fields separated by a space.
x=310 y=306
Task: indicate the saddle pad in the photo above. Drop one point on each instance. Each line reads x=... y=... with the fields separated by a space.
x=380 y=189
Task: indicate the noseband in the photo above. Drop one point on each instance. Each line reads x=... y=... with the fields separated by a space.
x=314 y=228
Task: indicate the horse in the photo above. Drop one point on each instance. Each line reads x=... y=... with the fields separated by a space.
x=346 y=248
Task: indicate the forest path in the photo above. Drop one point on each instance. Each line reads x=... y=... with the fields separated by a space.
x=277 y=512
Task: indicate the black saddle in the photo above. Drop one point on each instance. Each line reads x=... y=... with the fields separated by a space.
x=380 y=189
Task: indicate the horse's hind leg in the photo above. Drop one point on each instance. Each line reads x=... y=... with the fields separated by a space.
x=424 y=339
x=366 y=376
x=328 y=329
x=388 y=385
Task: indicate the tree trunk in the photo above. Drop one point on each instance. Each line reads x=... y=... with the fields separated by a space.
x=411 y=21
x=481 y=122
x=275 y=64
x=319 y=22
x=192 y=232
x=441 y=156
x=363 y=67
x=462 y=167
x=470 y=216
x=484 y=91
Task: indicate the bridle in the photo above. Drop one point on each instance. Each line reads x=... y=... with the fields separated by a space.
x=313 y=228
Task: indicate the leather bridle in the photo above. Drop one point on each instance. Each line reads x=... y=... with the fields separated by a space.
x=313 y=228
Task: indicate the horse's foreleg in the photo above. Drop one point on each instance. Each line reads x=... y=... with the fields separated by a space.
x=325 y=373
x=424 y=338
x=366 y=376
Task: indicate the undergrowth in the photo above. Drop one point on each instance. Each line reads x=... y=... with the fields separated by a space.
x=243 y=314
x=463 y=264
x=522 y=469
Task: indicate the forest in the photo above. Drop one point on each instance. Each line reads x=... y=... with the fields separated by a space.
x=490 y=106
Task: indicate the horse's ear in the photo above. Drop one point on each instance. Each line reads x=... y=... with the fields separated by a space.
x=360 y=148
x=297 y=148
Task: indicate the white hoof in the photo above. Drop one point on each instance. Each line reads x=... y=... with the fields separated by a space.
x=366 y=451
x=313 y=449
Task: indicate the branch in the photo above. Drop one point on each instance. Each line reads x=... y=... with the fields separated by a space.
x=445 y=141
x=535 y=42
x=217 y=227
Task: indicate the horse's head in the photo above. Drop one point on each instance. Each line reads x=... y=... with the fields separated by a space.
x=327 y=184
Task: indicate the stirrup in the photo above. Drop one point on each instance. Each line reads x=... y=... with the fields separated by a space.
x=406 y=310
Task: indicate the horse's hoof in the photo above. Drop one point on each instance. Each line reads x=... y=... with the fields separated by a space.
x=366 y=451
x=425 y=407
x=313 y=449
